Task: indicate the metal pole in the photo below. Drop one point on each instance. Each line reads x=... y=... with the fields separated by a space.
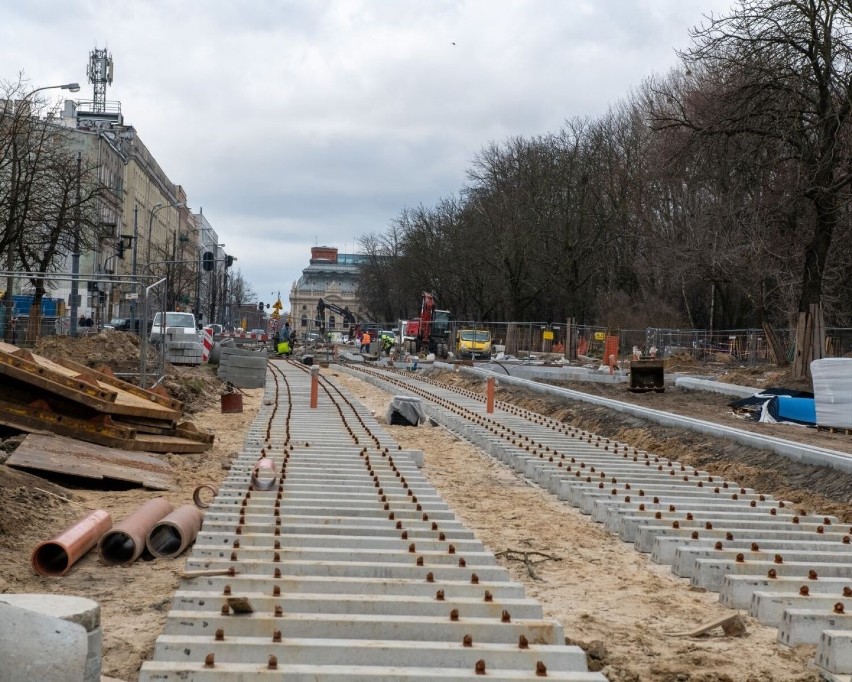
x=75 y=255
x=143 y=345
x=198 y=282
x=225 y=307
x=135 y=282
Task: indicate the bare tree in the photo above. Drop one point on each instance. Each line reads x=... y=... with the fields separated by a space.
x=777 y=74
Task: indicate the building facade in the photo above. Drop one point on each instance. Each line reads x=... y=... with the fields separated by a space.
x=155 y=235
x=333 y=277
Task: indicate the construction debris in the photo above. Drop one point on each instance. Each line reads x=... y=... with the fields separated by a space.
x=69 y=399
x=69 y=457
x=732 y=626
x=243 y=368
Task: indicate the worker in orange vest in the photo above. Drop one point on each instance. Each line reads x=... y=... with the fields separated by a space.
x=365 y=342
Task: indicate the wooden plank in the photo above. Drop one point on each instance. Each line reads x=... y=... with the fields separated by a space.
x=24 y=367
x=69 y=457
x=799 y=359
x=37 y=418
x=128 y=400
x=112 y=380
x=192 y=432
x=142 y=425
x=174 y=444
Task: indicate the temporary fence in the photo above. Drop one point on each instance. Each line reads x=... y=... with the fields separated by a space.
x=534 y=340
x=744 y=346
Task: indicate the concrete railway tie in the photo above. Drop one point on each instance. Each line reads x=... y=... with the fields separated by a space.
x=792 y=570
x=327 y=555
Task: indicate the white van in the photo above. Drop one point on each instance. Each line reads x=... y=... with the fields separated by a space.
x=184 y=322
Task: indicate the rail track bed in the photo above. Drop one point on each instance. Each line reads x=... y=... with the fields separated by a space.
x=790 y=569
x=325 y=554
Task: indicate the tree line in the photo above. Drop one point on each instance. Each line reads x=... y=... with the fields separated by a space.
x=715 y=196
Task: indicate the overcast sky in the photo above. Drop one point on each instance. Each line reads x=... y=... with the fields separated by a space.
x=297 y=123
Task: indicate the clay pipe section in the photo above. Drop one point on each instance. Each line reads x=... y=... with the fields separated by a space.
x=196 y=495
x=125 y=542
x=170 y=536
x=57 y=556
x=263 y=474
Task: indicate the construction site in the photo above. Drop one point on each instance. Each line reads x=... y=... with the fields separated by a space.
x=355 y=517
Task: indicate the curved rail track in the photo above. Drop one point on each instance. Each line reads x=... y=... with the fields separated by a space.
x=790 y=569
x=326 y=555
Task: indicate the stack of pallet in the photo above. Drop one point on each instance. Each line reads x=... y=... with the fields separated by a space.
x=38 y=395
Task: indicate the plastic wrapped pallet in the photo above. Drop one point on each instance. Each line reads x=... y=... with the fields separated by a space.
x=406 y=411
x=833 y=392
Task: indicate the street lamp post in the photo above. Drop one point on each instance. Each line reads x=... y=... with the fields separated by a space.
x=8 y=305
x=75 y=255
x=135 y=284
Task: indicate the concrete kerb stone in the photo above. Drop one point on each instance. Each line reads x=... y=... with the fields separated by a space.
x=589 y=494
x=795 y=451
x=373 y=556
x=769 y=607
x=737 y=590
x=68 y=627
x=834 y=652
x=302 y=651
x=710 y=573
x=647 y=536
x=369 y=605
x=804 y=626
x=367 y=627
x=663 y=551
x=686 y=558
x=167 y=671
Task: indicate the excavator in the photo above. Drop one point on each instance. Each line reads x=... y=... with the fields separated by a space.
x=430 y=331
x=345 y=313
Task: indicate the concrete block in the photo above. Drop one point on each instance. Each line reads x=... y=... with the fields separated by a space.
x=804 y=626
x=834 y=652
x=68 y=627
x=737 y=590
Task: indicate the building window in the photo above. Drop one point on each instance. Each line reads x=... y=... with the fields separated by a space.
x=331 y=322
x=304 y=307
x=304 y=320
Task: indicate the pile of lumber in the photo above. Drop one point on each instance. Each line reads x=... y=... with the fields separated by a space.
x=38 y=395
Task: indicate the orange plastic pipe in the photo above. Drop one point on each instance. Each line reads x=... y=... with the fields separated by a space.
x=171 y=535
x=126 y=541
x=57 y=556
x=489 y=395
x=263 y=474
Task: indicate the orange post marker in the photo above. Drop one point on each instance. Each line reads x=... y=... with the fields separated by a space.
x=314 y=385
x=489 y=395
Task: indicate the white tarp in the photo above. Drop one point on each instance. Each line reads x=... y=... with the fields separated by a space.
x=405 y=410
x=833 y=392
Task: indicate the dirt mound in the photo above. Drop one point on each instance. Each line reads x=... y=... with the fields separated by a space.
x=118 y=350
x=196 y=387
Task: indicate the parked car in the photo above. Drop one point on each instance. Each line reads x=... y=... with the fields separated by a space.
x=122 y=324
x=177 y=320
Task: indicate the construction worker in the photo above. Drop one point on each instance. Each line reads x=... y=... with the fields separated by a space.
x=365 y=342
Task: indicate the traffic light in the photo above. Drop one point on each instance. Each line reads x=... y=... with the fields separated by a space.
x=119 y=248
x=229 y=261
x=207 y=261
x=260 y=306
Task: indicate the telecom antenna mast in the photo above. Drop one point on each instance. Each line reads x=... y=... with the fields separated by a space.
x=99 y=73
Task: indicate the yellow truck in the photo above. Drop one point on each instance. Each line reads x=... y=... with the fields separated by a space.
x=473 y=344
